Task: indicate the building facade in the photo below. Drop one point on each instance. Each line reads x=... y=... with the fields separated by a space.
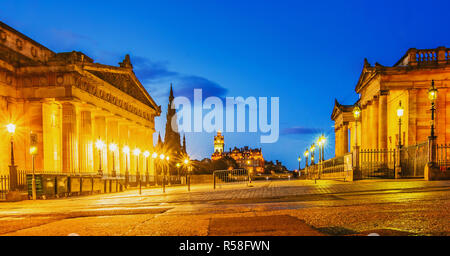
x=247 y=158
x=382 y=89
x=69 y=103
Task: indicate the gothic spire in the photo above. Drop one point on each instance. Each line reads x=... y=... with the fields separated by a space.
x=171 y=93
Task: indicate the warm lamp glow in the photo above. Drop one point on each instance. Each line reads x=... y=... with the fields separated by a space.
x=167 y=158
x=11 y=128
x=146 y=153
x=356 y=112
x=432 y=92
x=113 y=147
x=306 y=153
x=126 y=150
x=99 y=144
x=33 y=150
x=178 y=164
x=162 y=156
x=400 y=109
x=136 y=151
x=154 y=155
x=186 y=161
x=299 y=159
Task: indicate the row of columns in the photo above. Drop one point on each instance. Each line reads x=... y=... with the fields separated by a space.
x=372 y=127
x=81 y=128
x=374 y=123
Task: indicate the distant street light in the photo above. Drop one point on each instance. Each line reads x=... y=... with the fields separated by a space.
x=400 y=111
x=306 y=158
x=137 y=152
x=432 y=95
x=99 y=145
x=146 y=155
x=126 y=151
x=113 y=149
x=356 y=114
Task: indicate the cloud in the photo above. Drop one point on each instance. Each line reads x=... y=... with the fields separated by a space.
x=158 y=77
x=151 y=71
x=187 y=84
x=300 y=130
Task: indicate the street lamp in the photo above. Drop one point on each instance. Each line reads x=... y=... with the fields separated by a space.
x=312 y=149
x=137 y=152
x=126 y=151
x=99 y=145
x=356 y=114
x=306 y=157
x=188 y=173
x=162 y=157
x=113 y=149
x=400 y=111
x=146 y=155
x=432 y=95
x=11 y=128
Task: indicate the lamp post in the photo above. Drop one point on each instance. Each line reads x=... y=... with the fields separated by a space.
x=126 y=151
x=306 y=158
x=137 y=152
x=168 y=169
x=33 y=152
x=431 y=166
x=162 y=157
x=299 y=161
x=154 y=156
x=400 y=111
x=147 y=176
x=312 y=149
x=356 y=115
x=188 y=176
x=113 y=148
x=99 y=145
x=11 y=128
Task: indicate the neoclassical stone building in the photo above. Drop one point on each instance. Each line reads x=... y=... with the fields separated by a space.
x=70 y=102
x=382 y=88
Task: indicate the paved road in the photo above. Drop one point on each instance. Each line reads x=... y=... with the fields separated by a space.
x=296 y=207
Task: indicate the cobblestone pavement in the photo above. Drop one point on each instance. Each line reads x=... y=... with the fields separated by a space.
x=295 y=207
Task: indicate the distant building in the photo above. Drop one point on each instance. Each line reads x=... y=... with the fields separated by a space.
x=250 y=159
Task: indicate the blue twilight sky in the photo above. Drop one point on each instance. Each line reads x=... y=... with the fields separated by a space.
x=306 y=53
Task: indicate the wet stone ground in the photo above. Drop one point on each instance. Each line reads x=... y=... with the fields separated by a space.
x=295 y=207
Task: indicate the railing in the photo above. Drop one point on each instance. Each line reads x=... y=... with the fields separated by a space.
x=440 y=55
x=377 y=163
x=235 y=176
x=333 y=165
x=4 y=186
x=413 y=160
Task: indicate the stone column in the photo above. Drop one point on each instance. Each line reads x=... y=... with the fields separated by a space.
x=112 y=134
x=100 y=133
x=374 y=125
x=86 y=142
x=363 y=127
x=337 y=142
x=344 y=139
x=412 y=118
x=382 y=120
x=69 y=132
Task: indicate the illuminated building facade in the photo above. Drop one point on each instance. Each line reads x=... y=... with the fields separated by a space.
x=70 y=102
x=382 y=89
x=250 y=159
